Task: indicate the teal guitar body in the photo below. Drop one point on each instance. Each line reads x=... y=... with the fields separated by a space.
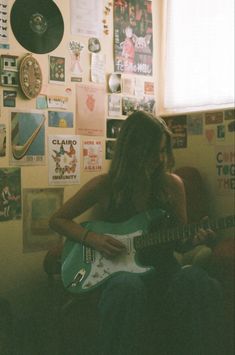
x=84 y=268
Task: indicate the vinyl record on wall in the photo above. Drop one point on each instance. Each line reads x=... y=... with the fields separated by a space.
x=37 y=25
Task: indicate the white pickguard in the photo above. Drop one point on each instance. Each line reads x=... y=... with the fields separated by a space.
x=102 y=267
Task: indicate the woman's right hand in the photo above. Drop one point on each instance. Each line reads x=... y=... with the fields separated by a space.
x=108 y=246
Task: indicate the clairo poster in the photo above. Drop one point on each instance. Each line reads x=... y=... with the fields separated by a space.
x=133 y=48
x=63 y=162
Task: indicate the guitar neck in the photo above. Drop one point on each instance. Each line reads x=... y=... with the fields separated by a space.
x=182 y=233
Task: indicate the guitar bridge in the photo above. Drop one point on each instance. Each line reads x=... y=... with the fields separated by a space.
x=77 y=278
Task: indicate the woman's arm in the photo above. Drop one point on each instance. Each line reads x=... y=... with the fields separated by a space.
x=63 y=220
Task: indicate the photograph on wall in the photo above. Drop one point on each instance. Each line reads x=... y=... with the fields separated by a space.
x=114 y=105
x=133 y=48
x=63 y=159
x=41 y=102
x=128 y=85
x=113 y=127
x=27 y=138
x=221 y=132
x=195 y=124
x=60 y=119
x=92 y=155
x=3 y=140
x=9 y=98
x=109 y=149
x=213 y=117
x=75 y=59
x=231 y=126
x=130 y=104
x=224 y=169
x=39 y=205
x=59 y=102
x=178 y=127
x=149 y=88
x=57 y=70
x=98 y=68
x=229 y=114
x=10 y=198
x=90 y=109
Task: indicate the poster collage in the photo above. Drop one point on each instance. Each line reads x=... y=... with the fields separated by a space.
x=101 y=104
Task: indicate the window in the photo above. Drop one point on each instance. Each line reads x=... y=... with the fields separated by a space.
x=198 y=54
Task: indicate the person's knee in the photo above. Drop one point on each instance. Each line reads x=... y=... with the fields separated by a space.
x=124 y=286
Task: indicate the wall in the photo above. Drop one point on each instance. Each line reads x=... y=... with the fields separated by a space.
x=19 y=271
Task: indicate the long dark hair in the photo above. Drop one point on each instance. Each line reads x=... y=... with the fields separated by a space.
x=137 y=145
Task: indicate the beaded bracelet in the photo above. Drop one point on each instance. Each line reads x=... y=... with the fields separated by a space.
x=84 y=235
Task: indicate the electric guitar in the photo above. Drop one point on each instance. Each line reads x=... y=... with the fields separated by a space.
x=84 y=268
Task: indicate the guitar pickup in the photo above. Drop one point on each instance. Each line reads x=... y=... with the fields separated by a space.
x=88 y=255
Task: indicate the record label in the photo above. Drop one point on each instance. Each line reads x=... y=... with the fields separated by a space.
x=37 y=25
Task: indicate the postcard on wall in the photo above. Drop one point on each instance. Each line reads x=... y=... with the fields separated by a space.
x=4 y=24
x=86 y=17
x=57 y=70
x=92 y=155
x=59 y=102
x=9 y=98
x=27 y=136
x=41 y=102
x=61 y=119
x=133 y=48
x=114 y=105
x=90 y=109
x=195 y=124
x=3 y=140
x=213 y=117
x=75 y=65
x=113 y=127
x=178 y=127
x=64 y=159
x=128 y=85
x=39 y=205
x=149 y=88
x=10 y=198
x=229 y=114
x=130 y=104
x=224 y=169
x=98 y=68
x=109 y=149
x=139 y=87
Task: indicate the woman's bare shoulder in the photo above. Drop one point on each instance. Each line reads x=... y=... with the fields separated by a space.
x=175 y=183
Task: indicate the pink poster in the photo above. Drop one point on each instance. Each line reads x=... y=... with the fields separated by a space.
x=90 y=110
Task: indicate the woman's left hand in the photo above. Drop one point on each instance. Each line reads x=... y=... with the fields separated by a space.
x=204 y=235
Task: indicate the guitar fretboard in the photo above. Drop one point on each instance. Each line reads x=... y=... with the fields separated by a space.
x=182 y=233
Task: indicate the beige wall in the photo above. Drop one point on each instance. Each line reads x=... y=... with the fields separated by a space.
x=19 y=270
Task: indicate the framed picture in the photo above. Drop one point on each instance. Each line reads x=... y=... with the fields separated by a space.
x=39 y=205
